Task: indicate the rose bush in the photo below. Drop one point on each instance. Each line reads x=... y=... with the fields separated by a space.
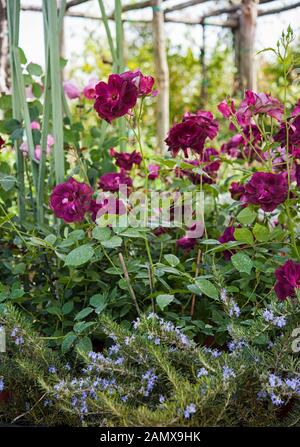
x=90 y=258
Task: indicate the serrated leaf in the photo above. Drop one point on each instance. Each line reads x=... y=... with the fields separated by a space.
x=164 y=300
x=246 y=216
x=172 y=260
x=242 y=262
x=243 y=234
x=101 y=233
x=261 y=232
x=207 y=288
x=85 y=345
x=79 y=255
x=34 y=69
x=68 y=341
x=83 y=313
x=113 y=242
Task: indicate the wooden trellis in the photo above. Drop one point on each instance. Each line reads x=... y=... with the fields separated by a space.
x=239 y=15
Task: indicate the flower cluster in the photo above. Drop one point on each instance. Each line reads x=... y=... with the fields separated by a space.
x=288 y=280
x=192 y=132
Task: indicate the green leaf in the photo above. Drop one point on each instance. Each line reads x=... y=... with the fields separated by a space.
x=246 y=216
x=53 y=310
x=243 y=234
x=37 y=90
x=67 y=307
x=242 y=262
x=114 y=242
x=34 y=69
x=79 y=255
x=50 y=239
x=7 y=182
x=164 y=300
x=132 y=232
x=101 y=233
x=68 y=341
x=261 y=232
x=85 y=345
x=207 y=288
x=99 y=302
x=83 y=313
x=22 y=56
x=172 y=260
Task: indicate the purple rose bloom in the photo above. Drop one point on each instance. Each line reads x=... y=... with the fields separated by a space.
x=296 y=109
x=115 y=98
x=266 y=190
x=288 y=279
x=153 y=171
x=143 y=83
x=111 y=181
x=189 y=240
x=237 y=190
x=227 y=236
x=257 y=103
x=293 y=130
x=71 y=200
x=225 y=109
x=192 y=132
x=126 y=160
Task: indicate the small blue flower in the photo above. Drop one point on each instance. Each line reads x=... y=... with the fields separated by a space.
x=52 y=369
x=268 y=315
x=279 y=322
x=161 y=399
x=202 y=372
x=189 y=409
x=276 y=400
x=227 y=373
x=274 y=381
x=1 y=384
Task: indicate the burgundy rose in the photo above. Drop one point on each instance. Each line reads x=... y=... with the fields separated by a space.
x=189 y=240
x=288 y=279
x=143 y=83
x=153 y=171
x=71 y=200
x=115 y=98
x=293 y=133
x=245 y=146
x=237 y=190
x=112 y=181
x=126 y=160
x=225 y=109
x=297 y=174
x=227 y=236
x=266 y=190
x=258 y=103
x=192 y=132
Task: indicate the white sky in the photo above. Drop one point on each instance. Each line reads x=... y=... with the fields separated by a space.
x=31 y=32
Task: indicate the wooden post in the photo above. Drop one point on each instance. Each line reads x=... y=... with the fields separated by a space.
x=246 y=34
x=4 y=64
x=162 y=74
